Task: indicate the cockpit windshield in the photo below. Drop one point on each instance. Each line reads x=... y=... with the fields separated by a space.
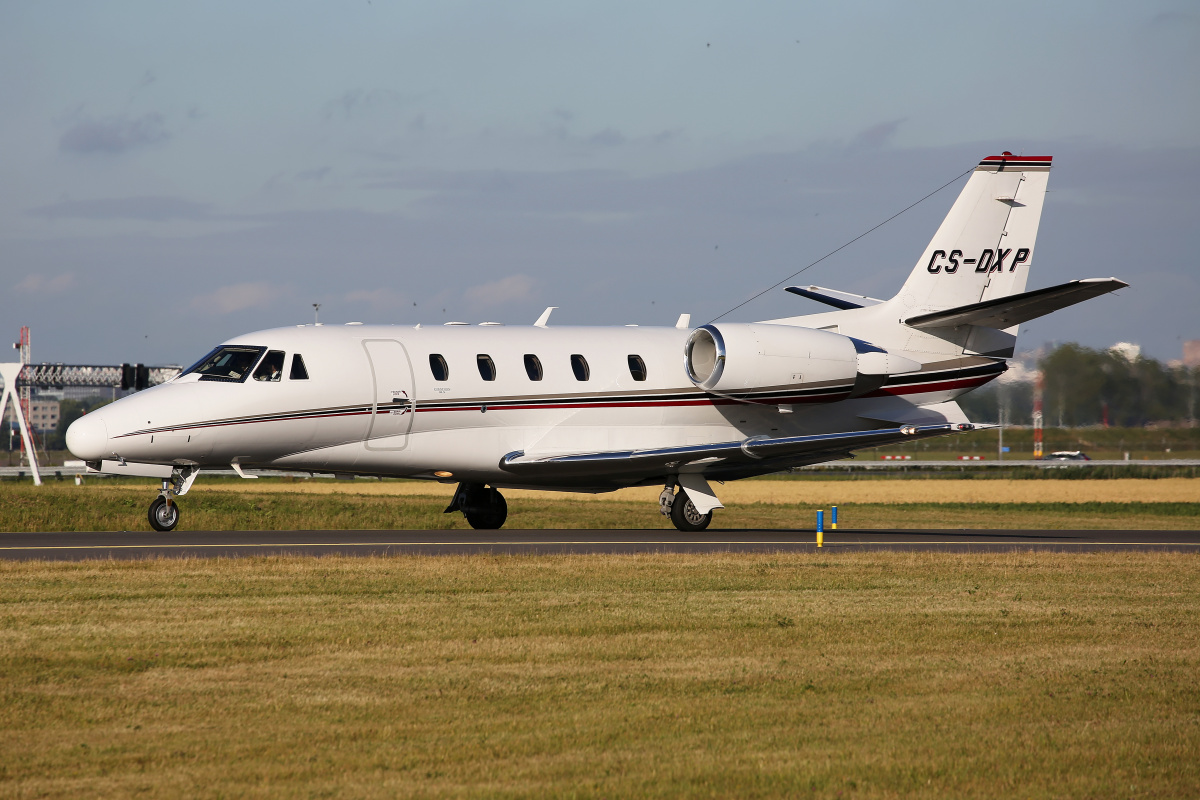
x=230 y=363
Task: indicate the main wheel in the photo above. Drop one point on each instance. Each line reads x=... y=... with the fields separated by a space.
x=486 y=510
x=164 y=516
x=686 y=517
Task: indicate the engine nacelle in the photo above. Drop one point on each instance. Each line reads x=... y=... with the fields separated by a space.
x=737 y=357
x=761 y=356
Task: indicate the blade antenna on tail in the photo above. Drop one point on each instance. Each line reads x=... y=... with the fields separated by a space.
x=843 y=247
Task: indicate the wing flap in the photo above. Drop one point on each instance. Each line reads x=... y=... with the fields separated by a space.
x=1014 y=309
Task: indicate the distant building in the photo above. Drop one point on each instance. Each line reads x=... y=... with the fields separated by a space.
x=1191 y=353
x=43 y=415
x=1127 y=350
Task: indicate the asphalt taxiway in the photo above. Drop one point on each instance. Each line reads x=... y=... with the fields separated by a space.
x=238 y=544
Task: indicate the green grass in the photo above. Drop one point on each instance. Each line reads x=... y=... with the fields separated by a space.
x=123 y=507
x=824 y=675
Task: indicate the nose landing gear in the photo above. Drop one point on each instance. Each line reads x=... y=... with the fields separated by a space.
x=483 y=506
x=164 y=511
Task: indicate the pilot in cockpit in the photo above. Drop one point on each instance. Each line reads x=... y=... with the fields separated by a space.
x=271 y=368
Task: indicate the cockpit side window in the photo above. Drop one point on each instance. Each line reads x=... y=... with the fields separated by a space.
x=298 y=373
x=231 y=363
x=271 y=368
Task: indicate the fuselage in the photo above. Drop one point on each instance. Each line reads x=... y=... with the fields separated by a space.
x=449 y=402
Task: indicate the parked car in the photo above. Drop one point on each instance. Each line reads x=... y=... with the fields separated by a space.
x=1067 y=455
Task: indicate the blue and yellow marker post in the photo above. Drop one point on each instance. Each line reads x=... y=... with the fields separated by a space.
x=820 y=529
x=834 y=520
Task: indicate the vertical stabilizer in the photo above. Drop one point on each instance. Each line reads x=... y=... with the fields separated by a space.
x=984 y=247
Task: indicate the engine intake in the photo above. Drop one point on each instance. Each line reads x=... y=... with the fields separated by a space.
x=763 y=356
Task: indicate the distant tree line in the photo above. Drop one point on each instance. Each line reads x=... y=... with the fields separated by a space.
x=1089 y=387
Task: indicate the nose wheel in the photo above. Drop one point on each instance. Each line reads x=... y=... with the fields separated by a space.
x=164 y=514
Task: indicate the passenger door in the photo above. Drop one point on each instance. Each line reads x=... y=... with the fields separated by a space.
x=394 y=399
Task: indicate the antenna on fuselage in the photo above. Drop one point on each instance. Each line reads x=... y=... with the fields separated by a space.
x=316 y=311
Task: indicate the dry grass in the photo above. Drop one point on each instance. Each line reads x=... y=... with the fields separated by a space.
x=828 y=675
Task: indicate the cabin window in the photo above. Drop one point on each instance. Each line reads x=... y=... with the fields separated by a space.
x=637 y=368
x=232 y=364
x=579 y=366
x=298 y=373
x=487 y=369
x=271 y=368
x=533 y=367
x=439 y=367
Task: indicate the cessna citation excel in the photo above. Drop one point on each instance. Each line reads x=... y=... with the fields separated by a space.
x=581 y=409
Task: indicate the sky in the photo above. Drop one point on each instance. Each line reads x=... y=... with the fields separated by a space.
x=176 y=174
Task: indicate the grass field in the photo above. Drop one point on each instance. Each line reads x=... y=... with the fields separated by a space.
x=1169 y=503
x=826 y=675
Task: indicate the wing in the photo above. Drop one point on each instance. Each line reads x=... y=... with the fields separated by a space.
x=757 y=455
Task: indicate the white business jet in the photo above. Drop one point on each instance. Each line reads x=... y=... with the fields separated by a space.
x=584 y=409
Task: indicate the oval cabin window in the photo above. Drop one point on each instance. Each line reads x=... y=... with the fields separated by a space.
x=487 y=369
x=637 y=368
x=579 y=366
x=533 y=367
x=439 y=367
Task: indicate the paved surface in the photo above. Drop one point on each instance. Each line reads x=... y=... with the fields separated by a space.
x=235 y=544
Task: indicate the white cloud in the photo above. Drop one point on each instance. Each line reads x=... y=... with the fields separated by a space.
x=497 y=293
x=40 y=284
x=237 y=297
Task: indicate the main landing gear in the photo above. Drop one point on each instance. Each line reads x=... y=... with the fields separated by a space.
x=483 y=506
x=164 y=511
x=682 y=511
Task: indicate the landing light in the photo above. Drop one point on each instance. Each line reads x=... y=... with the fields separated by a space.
x=441 y=473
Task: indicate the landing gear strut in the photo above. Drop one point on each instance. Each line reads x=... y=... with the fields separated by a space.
x=164 y=511
x=682 y=511
x=483 y=506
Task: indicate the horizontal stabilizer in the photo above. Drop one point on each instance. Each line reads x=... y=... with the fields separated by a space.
x=832 y=297
x=1014 y=309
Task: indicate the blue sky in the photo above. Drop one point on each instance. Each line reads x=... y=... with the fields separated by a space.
x=177 y=174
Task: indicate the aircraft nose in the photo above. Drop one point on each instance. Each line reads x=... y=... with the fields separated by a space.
x=87 y=438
